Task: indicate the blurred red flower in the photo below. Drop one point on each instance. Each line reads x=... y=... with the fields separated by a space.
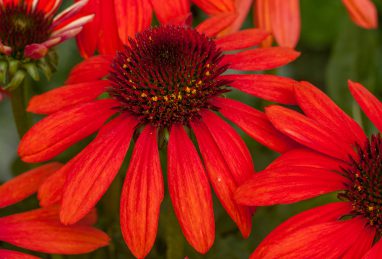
x=166 y=79
x=335 y=156
x=29 y=28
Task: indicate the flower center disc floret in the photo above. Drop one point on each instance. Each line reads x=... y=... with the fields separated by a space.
x=167 y=75
x=20 y=27
x=365 y=188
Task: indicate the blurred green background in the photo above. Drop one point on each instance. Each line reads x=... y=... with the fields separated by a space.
x=333 y=50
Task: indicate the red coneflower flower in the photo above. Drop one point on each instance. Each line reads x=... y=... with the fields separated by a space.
x=168 y=78
x=335 y=155
x=41 y=230
x=282 y=18
x=28 y=29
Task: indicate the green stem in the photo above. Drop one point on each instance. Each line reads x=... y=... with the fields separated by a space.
x=20 y=99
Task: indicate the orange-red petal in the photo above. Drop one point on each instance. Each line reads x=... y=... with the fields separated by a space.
x=261 y=58
x=242 y=39
x=189 y=191
x=255 y=124
x=92 y=171
x=66 y=96
x=142 y=195
x=51 y=191
x=25 y=184
x=262 y=18
x=55 y=133
x=215 y=24
x=216 y=6
x=362 y=12
x=167 y=11
x=8 y=254
x=223 y=180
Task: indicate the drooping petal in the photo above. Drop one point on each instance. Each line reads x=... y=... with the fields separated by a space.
x=375 y=252
x=8 y=254
x=321 y=108
x=142 y=195
x=362 y=244
x=132 y=16
x=285 y=185
x=308 y=132
x=285 y=20
x=269 y=87
x=90 y=70
x=242 y=39
x=255 y=124
x=49 y=236
x=167 y=11
x=261 y=58
x=307 y=158
x=24 y=185
x=72 y=24
x=69 y=12
x=66 y=96
x=55 y=133
x=262 y=17
x=318 y=215
x=222 y=179
x=189 y=191
x=316 y=241
x=362 y=12
x=216 y=6
x=370 y=105
x=215 y=24
x=92 y=171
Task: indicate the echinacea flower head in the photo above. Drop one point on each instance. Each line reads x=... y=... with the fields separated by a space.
x=30 y=29
x=282 y=18
x=168 y=79
x=40 y=230
x=335 y=156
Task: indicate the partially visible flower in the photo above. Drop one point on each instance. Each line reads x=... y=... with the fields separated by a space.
x=167 y=79
x=40 y=230
x=28 y=32
x=282 y=18
x=335 y=156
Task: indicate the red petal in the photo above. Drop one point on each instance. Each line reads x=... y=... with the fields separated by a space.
x=92 y=171
x=216 y=6
x=189 y=191
x=315 y=216
x=109 y=41
x=261 y=58
x=49 y=236
x=66 y=96
x=215 y=24
x=24 y=185
x=321 y=108
x=285 y=20
x=223 y=180
x=370 y=105
x=8 y=254
x=269 y=87
x=90 y=70
x=167 y=11
x=132 y=16
x=362 y=12
x=242 y=10
x=48 y=6
x=262 y=18
x=362 y=244
x=308 y=132
x=50 y=192
x=142 y=195
x=316 y=241
x=375 y=252
x=242 y=39
x=307 y=158
x=54 y=134
x=284 y=185
x=88 y=37
x=255 y=124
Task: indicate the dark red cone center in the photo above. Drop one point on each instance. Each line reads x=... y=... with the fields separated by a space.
x=167 y=75
x=20 y=27
x=365 y=175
